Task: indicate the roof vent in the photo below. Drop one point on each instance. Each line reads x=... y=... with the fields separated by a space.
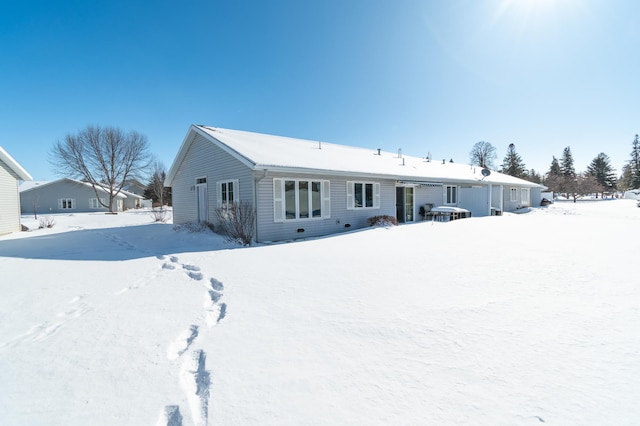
x=378 y=151
x=399 y=152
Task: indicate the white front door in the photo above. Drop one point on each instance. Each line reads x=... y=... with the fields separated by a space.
x=201 y=202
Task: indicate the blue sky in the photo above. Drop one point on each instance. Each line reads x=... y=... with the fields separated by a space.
x=422 y=75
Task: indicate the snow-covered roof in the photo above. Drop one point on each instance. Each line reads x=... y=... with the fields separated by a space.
x=131 y=194
x=24 y=187
x=19 y=171
x=267 y=152
x=28 y=184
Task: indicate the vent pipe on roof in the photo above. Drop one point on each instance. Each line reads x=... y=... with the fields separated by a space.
x=403 y=161
x=443 y=161
x=399 y=152
x=378 y=151
x=319 y=145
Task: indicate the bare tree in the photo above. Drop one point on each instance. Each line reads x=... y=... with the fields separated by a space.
x=580 y=185
x=482 y=154
x=35 y=203
x=237 y=221
x=105 y=157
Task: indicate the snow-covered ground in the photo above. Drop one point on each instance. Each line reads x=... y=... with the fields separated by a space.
x=519 y=319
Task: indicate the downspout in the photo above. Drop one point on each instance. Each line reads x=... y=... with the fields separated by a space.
x=255 y=200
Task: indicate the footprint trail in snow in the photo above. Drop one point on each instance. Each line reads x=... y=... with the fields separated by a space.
x=195 y=379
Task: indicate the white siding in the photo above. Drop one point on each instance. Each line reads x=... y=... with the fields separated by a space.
x=270 y=230
x=205 y=159
x=509 y=205
x=9 y=201
x=427 y=195
x=476 y=200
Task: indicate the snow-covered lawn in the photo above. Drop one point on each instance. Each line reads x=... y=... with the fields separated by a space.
x=519 y=319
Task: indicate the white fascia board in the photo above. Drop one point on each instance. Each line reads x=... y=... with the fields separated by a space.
x=195 y=130
x=14 y=165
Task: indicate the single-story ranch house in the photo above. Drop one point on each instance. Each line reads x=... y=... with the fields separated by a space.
x=303 y=188
x=70 y=196
x=10 y=173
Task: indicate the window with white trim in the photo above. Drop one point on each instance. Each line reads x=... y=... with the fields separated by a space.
x=450 y=194
x=301 y=199
x=363 y=195
x=514 y=194
x=94 y=203
x=227 y=193
x=66 y=203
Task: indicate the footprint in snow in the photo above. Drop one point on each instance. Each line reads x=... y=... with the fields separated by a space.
x=214 y=296
x=195 y=382
x=216 y=285
x=195 y=275
x=190 y=267
x=215 y=314
x=182 y=343
x=170 y=416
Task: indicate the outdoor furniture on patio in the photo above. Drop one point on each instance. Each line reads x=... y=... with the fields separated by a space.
x=448 y=213
x=425 y=211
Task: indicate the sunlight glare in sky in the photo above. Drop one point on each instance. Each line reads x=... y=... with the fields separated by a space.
x=532 y=13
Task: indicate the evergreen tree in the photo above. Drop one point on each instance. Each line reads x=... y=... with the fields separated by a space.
x=600 y=168
x=534 y=176
x=554 y=176
x=554 y=170
x=634 y=163
x=156 y=191
x=512 y=164
x=625 y=181
x=566 y=164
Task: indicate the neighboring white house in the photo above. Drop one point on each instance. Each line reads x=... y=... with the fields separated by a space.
x=304 y=188
x=69 y=196
x=10 y=173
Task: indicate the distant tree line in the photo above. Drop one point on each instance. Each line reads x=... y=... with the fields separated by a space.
x=599 y=178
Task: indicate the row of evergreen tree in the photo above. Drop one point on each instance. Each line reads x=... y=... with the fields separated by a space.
x=599 y=177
